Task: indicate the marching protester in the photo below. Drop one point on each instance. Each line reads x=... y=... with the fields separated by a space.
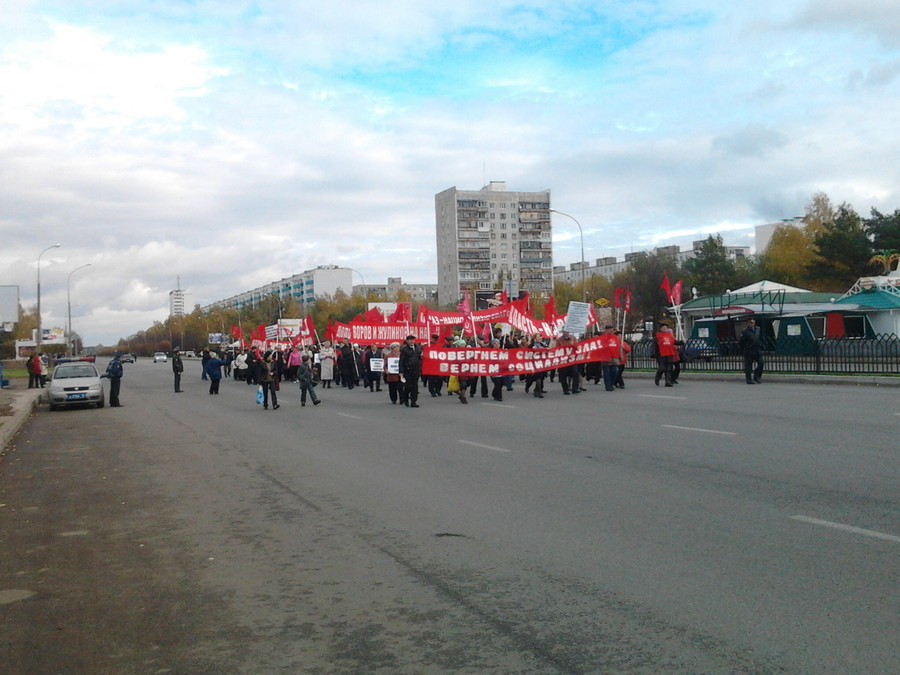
x=327 y=358
x=410 y=371
x=240 y=365
x=268 y=380
x=536 y=379
x=499 y=382
x=213 y=371
x=625 y=351
x=610 y=367
x=373 y=367
x=665 y=354
x=307 y=384
x=392 y=372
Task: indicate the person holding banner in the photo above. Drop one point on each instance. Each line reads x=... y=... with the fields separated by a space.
x=374 y=365
x=536 y=379
x=392 y=371
x=569 y=376
x=410 y=371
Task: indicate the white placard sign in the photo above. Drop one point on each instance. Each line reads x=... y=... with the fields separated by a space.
x=577 y=317
x=393 y=365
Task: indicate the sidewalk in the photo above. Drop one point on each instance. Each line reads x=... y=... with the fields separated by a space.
x=17 y=402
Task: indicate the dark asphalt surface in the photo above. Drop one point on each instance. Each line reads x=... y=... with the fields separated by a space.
x=640 y=531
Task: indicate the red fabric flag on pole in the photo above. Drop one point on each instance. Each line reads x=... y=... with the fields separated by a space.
x=504 y=297
x=236 y=332
x=550 y=310
x=261 y=332
x=675 y=296
x=617 y=301
x=665 y=285
x=628 y=300
x=374 y=315
x=486 y=331
x=464 y=305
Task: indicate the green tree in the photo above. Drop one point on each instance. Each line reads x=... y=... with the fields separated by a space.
x=644 y=277
x=842 y=252
x=711 y=271
x=884 y=230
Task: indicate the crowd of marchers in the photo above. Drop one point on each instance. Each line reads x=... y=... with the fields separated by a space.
x=397 y=368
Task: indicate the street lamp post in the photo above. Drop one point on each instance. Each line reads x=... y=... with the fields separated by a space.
x=583 y=265
x=40 y=330
x=69 y=304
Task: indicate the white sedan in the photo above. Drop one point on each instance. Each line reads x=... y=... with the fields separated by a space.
x=160 y=357
x=75 y=383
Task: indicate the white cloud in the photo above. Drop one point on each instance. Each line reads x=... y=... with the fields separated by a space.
x=232 y=143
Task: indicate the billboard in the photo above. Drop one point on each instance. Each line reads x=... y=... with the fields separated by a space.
x=9 y=306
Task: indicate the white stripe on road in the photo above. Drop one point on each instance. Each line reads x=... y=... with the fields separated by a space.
x=847 y=528
x=704 y=431
x=352 y=417
x=486 y=447
x=680 y=398
x=497 y=405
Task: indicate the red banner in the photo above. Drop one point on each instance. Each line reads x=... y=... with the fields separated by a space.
x=498 y=362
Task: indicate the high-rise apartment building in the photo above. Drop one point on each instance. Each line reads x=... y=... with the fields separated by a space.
x=493 y=239
x=176 y=302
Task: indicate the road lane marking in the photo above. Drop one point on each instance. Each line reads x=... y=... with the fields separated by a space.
x=704 y=431
x=497 y=405
x=680 y=398
x=352 y=417
x=847 y=528
x=482 y=445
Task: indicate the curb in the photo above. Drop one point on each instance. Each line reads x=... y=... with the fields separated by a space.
x=23 y=405
x=783 y=378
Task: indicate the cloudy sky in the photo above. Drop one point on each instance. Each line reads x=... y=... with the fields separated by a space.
x=234 y=142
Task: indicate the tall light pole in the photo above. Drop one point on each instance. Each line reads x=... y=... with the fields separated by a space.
x=361 y=277
x=69 y=303
x=583 y=265
x=40 y=330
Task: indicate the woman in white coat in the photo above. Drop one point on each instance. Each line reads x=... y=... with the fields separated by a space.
x=327 y=358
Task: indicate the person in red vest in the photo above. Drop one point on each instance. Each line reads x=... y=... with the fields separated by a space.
x=665 y=354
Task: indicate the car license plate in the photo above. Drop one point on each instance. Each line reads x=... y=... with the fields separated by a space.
x=75 y=397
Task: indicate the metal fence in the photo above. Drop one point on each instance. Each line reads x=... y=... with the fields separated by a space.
x=792 y=354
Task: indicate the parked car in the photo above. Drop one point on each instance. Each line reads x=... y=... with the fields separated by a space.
x=160 y=357
x=127 y=358
x=75 y=383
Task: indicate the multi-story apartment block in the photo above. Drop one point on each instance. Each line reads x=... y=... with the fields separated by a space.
x=493 y=239
x=395 y=287
x=308 y=286
x=610 y=266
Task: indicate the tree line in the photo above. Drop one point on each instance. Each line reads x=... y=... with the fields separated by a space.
x=828 y=252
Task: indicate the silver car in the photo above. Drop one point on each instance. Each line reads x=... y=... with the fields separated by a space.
x=75 y=383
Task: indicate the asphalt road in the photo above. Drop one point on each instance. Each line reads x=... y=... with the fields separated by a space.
x=708 y=528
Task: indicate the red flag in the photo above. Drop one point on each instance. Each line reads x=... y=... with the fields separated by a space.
x=665 y=285
x=628 y=300
x=236 y=332
x=403 y=313
x=486 y=331
x=374 y=315
x=504 y=297
x=464 y=305
x=260 y=332
x=675 y=296
x=550 y=310
x=617 y=301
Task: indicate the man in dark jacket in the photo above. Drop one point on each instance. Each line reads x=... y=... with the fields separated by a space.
x=751 y=348
x=410 y=371
x=177 y=368
x=114 y=372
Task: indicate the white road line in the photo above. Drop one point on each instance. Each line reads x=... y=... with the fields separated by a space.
x=352 y=417
x=486 y=447
x=705 y=431
x=497 y=405
x=847 y=528
x=680 y=398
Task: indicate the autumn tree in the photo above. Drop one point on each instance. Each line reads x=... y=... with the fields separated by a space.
x=884 y=231
x=787 y=255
